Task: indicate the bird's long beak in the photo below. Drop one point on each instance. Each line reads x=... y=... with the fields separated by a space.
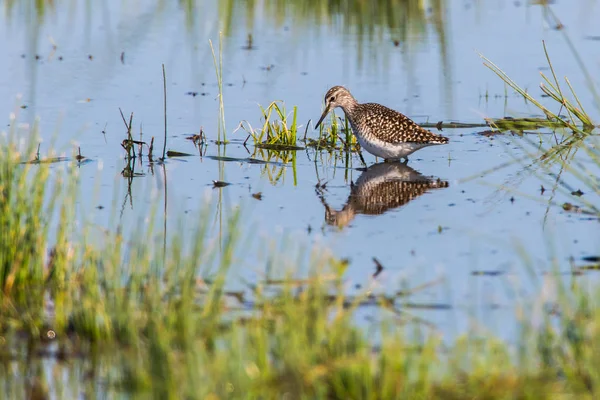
x=323 y=116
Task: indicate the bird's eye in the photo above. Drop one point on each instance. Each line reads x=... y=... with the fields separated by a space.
x=332 y=98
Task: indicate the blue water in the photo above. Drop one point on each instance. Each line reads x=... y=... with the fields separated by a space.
x=109 y=57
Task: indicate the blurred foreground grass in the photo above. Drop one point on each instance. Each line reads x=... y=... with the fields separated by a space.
x=122 y=316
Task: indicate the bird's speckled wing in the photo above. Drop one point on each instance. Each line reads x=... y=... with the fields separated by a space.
x=391 y=126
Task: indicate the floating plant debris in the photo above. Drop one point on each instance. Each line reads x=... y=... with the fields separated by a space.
x=172 y=153
x=220 y=184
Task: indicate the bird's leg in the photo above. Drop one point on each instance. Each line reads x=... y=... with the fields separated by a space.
x=362 y=159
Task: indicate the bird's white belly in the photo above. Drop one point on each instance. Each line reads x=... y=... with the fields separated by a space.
x=388 y=150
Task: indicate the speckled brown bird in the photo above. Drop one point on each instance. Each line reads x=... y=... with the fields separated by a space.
x=381 y=187
x=381 y=131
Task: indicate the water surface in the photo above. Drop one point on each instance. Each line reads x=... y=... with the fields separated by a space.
x=469 y=230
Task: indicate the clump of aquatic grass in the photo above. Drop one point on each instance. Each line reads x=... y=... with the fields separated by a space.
x=277 y=131
x=567 y=158
x=335 y=136
x=130 y=144
x=553 y=89
x=219 y=73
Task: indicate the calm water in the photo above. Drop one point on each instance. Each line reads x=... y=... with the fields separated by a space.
x=424 y=64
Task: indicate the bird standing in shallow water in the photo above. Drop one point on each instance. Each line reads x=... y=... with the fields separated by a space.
x=381 y=131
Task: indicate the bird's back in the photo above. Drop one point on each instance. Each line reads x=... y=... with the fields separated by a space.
x=385 y=124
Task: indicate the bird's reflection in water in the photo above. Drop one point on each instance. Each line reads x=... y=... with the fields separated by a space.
x=380 y=188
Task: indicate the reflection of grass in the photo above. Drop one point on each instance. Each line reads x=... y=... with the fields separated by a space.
x=38 y=7
x=404 y=19
x=401 y=24
x=275 y=161
x=398 y=22
x=133 y=323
